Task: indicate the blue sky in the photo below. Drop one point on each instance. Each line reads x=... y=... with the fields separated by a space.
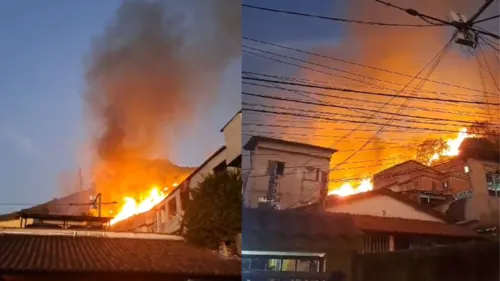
x=42 y=49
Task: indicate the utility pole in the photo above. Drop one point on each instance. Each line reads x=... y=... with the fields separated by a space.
x=468 y=35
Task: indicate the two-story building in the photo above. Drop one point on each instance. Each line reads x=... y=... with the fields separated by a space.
x=413 y=176
x=166 y=217
x=467 y=189
x=284 y=174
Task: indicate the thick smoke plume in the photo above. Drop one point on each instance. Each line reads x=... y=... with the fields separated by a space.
x=153 y=67
x=404 y=50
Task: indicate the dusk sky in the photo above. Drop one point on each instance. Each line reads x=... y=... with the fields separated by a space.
x=42 y=53
x=42 y=132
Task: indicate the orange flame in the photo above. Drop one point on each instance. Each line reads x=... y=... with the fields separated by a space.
x=453 y=146
x=131 y=207
x=347 y=188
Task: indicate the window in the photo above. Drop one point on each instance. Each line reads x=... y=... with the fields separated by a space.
x=466 y=169
x=273 y=264
x=434 y=186
x=289 y=265
x=303 y=265
x=276 y=167
x=172 y=208
x=445 y=185
x=280 y=168
x=311 y=174
x=493 y=183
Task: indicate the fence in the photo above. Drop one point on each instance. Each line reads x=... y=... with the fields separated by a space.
x=471 y=262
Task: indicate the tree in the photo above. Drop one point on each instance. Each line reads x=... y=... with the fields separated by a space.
x=484 y=129
x=430 y=147
x=213 y=213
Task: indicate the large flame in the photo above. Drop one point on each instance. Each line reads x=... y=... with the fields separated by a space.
x=347 y=188
x=453 y=146
x=131 y=207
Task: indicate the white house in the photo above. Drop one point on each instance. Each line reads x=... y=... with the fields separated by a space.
x=283 y=173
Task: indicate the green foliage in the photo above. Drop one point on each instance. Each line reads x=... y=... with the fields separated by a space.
x=213 y=213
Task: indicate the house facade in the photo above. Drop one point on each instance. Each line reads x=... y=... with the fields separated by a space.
x=284 y=174
x=466 y=189
x=414 y=176
x=391 y=221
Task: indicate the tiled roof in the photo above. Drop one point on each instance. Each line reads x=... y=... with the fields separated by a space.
x=334 y=200
x=296 y=222
x=294 y=229
x=38 y=253
x=400 y=225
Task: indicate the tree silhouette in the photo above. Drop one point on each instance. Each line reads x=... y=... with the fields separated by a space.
x=213 y=213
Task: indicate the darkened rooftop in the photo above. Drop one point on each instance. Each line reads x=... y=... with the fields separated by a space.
x=46 y=252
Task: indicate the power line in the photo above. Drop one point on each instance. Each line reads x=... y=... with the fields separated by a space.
x=334 y=69
x=410 y=140
x=340 y=19
x=322 y=82
x=367 y=92
x=460 y=26
x=418 y=108
x=358 y=64
x=349 y=121
x=357 y=108
x=437 y=59
x=417 y=130
x=486 y=19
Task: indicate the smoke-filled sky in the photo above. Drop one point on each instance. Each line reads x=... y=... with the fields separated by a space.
x=46 y=52
x=401 y=49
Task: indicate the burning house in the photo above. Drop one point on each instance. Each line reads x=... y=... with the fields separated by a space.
x=165 y=216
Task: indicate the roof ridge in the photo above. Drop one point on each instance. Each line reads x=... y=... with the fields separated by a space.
x=89 y=233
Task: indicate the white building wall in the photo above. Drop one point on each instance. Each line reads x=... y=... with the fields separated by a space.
x=207 y=169
x=480 y=204
x=233 y=138
x=293 y=187
x=382 y=206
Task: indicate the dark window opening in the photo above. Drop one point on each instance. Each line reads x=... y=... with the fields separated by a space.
x=280 y=168
x=172 y=208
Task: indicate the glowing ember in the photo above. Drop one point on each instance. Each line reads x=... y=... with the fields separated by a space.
x=132 y=208
x=347 y=188
x=453 y=145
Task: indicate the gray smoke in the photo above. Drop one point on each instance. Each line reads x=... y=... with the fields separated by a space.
x=157 y=63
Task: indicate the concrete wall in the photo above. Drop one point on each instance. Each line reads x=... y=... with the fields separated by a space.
x=293 y=187
x=480 y=204
x=382 y=206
